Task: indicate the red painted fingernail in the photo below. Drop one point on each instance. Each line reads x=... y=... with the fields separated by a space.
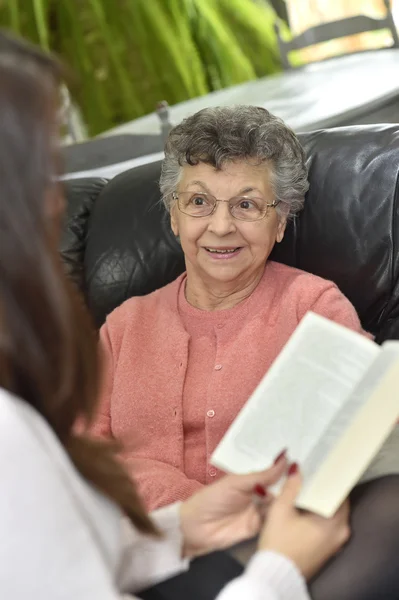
x=293 y=469
x=259 y=490
x=280 y=456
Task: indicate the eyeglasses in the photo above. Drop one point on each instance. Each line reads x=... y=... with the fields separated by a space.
x=201 y=204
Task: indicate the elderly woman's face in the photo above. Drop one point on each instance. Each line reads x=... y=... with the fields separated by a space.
x=205 y=240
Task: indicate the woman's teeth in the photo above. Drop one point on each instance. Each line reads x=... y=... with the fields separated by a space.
x=216 y=251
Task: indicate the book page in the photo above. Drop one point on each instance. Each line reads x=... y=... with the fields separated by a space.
x=295 y=402
x=386 y=462
x=347 y=413
x=367 y=434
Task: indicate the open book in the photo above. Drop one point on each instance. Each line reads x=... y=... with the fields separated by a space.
x=332 y=399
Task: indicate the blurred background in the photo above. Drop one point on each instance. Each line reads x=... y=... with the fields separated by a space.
x=126 y=56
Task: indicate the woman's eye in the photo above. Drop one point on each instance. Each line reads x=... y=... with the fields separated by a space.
x=198 y=200
x=246 y=204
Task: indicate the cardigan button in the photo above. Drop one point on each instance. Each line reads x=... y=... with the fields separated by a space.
x=218 y=367
x=212 y=472
x=210 y=413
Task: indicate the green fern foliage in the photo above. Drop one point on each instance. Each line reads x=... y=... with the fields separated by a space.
x=128 y=55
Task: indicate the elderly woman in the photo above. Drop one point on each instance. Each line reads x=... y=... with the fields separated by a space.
x=182 y=361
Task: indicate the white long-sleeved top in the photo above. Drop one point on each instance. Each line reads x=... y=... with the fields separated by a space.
x=61 y=539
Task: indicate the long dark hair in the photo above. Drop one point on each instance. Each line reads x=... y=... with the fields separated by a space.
x=48 y=354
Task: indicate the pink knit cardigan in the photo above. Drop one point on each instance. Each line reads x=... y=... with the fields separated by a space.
x=145 y=351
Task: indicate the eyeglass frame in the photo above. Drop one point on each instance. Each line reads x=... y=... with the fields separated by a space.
x=175 y=196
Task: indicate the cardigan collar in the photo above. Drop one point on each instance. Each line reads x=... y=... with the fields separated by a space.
x=262 y=298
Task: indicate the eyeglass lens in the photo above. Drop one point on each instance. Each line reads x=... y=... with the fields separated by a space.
x=241 y=207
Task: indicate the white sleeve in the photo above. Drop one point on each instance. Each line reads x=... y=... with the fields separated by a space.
x=268 y=576
x=47 y=550
x=147 y=561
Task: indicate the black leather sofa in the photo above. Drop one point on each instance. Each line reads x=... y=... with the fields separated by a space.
x=117 y=241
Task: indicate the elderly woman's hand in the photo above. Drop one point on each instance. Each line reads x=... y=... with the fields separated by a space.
x=223 y=514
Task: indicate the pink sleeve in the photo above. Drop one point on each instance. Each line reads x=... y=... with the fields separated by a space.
x=159 y=483
x=102 y=423
x=333 y=305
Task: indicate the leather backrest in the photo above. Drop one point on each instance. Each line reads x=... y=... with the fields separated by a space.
x=81 y=195
x=348 y=231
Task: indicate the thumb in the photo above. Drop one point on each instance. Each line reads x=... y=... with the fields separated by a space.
x=291 y=488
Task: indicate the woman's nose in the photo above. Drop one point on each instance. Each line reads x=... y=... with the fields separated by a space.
x=221 y=221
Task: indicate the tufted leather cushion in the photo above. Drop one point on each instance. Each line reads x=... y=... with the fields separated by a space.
x=130 y=247
x=81 y=195
x=348 y=232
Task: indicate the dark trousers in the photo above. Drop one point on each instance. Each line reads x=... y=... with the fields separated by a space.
x=366 y=569
x=203 y=581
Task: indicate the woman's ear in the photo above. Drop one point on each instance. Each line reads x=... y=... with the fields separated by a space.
x=173 y=221
x=282 y=224
x=282 y=216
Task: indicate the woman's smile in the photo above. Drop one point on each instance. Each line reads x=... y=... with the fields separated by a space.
x=223 y=252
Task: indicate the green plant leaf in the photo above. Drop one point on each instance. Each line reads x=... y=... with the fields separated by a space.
x=40 y=11
x=128 y=55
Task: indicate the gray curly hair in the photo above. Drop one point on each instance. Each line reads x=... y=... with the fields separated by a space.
x=219 y=135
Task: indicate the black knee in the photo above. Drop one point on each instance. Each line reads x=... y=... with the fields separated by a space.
x=368 y=567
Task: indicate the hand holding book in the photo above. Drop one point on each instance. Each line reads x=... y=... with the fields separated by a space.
x=331 y=398
x=308 y=540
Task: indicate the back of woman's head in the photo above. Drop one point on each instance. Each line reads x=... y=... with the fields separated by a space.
x=36 y=352
x=47 y=345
